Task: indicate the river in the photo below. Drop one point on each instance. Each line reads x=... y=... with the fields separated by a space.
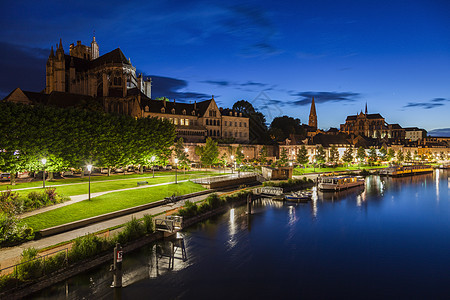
x=389 y=240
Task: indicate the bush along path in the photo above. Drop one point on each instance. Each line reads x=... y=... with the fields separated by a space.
x=89 y=251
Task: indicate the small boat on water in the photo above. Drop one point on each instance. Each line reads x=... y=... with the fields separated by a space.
x=299 y=196
x=337 y=183
x=397 y=171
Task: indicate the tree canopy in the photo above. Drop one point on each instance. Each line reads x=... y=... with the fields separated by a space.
x=282 y=127
x=73 y=138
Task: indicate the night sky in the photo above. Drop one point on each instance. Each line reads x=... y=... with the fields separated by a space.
x=394 y=55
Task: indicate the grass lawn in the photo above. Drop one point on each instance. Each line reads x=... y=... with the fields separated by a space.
x=107 y=203
x=300 y=171
x=109 y=185
x=38 y=184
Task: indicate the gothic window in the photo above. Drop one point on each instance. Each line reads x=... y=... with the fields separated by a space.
x=214 y=122
x=163 y=110
x=240 y=124
x=146 y=108
x=173 y=110
x=184 y=111
x=218 y=123
x=245 y=124
x=119 y=81
x=207 y=123
x=193 y=112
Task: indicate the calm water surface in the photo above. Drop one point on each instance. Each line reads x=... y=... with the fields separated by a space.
x=389 y=240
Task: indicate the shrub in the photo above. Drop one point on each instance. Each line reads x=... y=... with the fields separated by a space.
x=133 y=230
x=204 y=207
x=12 y=232
x=189 y=210
x=213 y=200
x=10 y=202
x=32 y=267
x=54 y=263
x=148 y=223
x=86 y=246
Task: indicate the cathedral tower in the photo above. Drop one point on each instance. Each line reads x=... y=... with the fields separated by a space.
x=312 y=115
x=94 y=49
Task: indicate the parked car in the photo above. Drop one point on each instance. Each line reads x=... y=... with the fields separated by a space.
x=168 y=167
x=118 y=170
x=5 y=176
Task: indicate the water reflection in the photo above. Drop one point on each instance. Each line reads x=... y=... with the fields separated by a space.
x=398 y=244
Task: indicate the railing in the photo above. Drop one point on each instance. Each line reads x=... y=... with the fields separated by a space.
x=14 y=268
x=209 y=180
x=169 y=223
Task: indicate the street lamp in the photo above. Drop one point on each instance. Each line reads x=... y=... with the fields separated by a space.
x=89 y=168
x=232 y=164
x=176 y=168
x=44 y=161
x=186 y=151
x=153 y=165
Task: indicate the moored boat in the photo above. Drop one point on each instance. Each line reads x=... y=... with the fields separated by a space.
x=337 y=183
x=397 y=171
x=299 y=196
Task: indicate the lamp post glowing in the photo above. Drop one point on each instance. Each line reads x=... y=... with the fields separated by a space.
x=186 y=150
x=176 y=168
x=232 y=164
x=89 y=168
x=44 y=161
x=153 y=165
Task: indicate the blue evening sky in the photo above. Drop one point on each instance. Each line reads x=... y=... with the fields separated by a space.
x=394 y=55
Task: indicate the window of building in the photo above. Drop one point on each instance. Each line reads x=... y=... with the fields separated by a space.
x=186 y=122
x=175 y=121
x=225 y=123
x=218 y=123
x=182 y=122
x=240 y=134
x=193 y=113
x=240 y=124
x=235 y=124
x=207 y=122
x=225 y=133
x=146 y=108
x=235 y=134
x=171 y=120
x=214 y=122
x=245 y=124
x=184 y=111
x=173 y=110
x=163 y=110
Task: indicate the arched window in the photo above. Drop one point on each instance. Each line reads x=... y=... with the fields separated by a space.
x=119 y=81
x=173 y=110
x=193 y=112
x=218 y=123
x=207 y=122
x=163 y=110
x=184 y=112
x=214 y=122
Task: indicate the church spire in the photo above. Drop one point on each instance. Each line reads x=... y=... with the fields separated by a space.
x=366 y=109
x=52 y=53
x=313 y=115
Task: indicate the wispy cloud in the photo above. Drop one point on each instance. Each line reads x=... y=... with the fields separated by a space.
x=440 y=132
x=304 y=98
x=238 y=85
x=433 y=103
x=174 y=88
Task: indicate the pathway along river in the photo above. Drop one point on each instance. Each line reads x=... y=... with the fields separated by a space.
x=389 y=240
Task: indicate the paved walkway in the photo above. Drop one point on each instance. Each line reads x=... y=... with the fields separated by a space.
x=78 y=198
x=11 y=255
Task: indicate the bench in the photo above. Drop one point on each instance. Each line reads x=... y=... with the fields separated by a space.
x=142 y=182
x=172 y=199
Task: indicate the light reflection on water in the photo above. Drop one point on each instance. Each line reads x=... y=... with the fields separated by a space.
x=388 y=239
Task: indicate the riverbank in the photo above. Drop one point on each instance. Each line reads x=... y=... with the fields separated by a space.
x=24 y=289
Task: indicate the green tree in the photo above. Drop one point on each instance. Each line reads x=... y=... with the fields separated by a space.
x=302 y=156
x=373 y=157
x=181 y=153
x=400 y=156
x=320 y=156
x=282 y=127
x=283 y=158
x=361 y=154
x=258 y=132
x=408 y=156
x=383 y=153
x=334 y=154
x=209 y=154
x=263 y=155
x=348 y=155
x=416 y=155
x=390 y=154
x=239 y=155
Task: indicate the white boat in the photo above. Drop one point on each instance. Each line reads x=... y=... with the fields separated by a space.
x=299 y=196
x=337 y=183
